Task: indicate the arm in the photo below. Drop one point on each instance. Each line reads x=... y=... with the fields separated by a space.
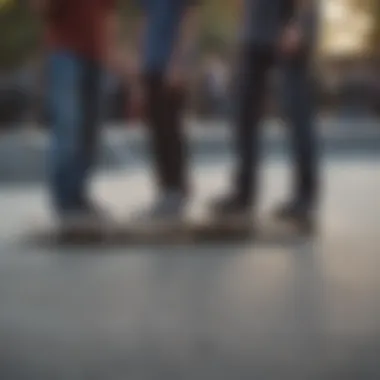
x=185 y=45
x=301 y=30
x=115 y=56
x=187 y=35
x=306 y=20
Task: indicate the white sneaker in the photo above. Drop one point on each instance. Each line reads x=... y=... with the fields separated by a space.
x=168 y=211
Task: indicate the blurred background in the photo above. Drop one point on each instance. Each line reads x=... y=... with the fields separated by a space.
x=347 y=72
x=347 y=62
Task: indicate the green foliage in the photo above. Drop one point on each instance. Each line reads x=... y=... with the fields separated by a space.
x=20 y=31
x=18 y=34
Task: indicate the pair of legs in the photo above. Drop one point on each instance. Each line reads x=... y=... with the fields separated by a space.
x=298 y=102
x=74 y=99
x=256 y=65
x=164 y=115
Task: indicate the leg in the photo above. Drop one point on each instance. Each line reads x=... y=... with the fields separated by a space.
x=250 y=108
x=298 y=100
x=155 y=118
x=64 y=75
x=89 y=132
x=176 y=148
x=164 y=114
x=74 y=95
x=165 y=109
x=250 y=96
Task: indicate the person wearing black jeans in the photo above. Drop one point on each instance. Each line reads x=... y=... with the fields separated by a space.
x=168 y=42
x=165 y=106
x=276 y=32
x=298 y=100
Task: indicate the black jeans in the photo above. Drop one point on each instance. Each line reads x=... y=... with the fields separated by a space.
x=256 y=65
x=298 y=102
x=165 y=108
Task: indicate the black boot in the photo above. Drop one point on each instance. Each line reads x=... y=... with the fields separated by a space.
x=232 y=209
x=299 y=213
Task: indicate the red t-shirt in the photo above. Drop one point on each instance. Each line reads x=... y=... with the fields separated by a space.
x=78 y=26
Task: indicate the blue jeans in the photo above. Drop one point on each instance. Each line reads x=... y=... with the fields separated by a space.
x=74 y=89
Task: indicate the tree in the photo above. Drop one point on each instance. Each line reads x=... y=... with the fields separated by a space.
x=20 y=31
x=18 y=34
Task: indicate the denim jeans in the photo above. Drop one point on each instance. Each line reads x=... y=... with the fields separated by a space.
x=256 y=64
x=298 y=103
x=74 y=89
x=251 y=85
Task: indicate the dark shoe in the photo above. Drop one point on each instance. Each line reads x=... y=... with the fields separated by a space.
x=89 y=207
x=87 y=217
x=168 y=211
x=232 y=210
x=297 y=213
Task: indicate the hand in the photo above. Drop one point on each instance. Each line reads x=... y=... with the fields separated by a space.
x=132 y=69
x=123 y=65
x=291 y=40
x=176 y=76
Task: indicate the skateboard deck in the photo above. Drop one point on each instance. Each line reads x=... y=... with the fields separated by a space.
x=189 y=232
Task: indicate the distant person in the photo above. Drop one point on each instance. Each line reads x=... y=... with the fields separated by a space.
x=274 y=32
x=169 y=36
x=80 y=43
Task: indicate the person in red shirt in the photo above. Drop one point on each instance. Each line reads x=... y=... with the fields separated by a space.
x=80 y=43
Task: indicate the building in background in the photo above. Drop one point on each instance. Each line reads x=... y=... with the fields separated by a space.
x=346 y=27
x=349 y=68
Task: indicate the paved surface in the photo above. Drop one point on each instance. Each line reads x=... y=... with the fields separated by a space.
x=308 y=311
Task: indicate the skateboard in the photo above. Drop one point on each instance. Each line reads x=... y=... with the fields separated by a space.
x=186 y=232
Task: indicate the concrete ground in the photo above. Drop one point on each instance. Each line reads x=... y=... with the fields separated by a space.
x=306 y=311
